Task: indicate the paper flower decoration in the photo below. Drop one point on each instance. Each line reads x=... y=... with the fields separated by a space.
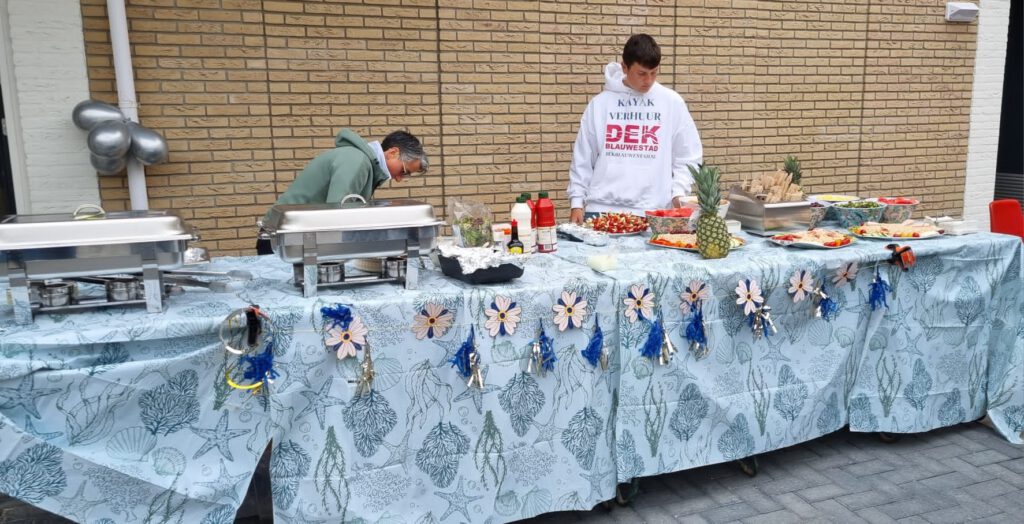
x=570 y=311
x=503 y=316
x=696 y=291
x=845 y=274
x=432 y=321
x=349 y=340
x=800 y=285
x=749 y=293
x=639 y=303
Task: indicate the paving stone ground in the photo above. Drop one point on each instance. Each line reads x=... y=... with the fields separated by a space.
x=957 y=474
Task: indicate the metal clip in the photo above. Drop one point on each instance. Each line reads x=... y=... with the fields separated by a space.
x=535 y=359
x=476 y=377
x=365 y=384
x=668 y=350
x=819 y=296
x=763 y=322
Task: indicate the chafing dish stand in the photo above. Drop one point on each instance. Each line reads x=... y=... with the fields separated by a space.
x=37 y=248
x=311 y=235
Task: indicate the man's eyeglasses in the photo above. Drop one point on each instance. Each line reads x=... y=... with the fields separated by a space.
x=406 y=172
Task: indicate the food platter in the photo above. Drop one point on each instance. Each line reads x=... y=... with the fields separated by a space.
x=875 y=231
x=614 y=235
x=685 y=243
x=830 y=199
x=617 y=224
x=873 y=237
x=814 y=239
x=627 y=234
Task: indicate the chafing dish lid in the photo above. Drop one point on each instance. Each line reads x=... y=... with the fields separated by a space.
x=350 y=216
x=63 y=230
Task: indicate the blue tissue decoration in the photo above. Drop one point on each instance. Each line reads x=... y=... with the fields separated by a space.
x=547 y=350
x=461 y=358
x=829 y=306
x=695 y=329
x=652 y=348
x=879 y=288
x=340 y=315
x=592 y=353
x=260 y=368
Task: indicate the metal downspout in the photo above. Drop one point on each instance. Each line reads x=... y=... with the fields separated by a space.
x=126 y=100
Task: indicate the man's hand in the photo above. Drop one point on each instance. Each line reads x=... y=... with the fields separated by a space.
x=677 y=201
x=576 y=215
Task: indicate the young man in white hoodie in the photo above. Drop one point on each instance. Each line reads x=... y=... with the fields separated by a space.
x=635 y=141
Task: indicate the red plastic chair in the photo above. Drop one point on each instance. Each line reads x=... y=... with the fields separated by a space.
x=1005 y=217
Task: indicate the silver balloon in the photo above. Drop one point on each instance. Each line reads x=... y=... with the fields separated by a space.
x=90 y=112
x=107 y=166
x=110 y=139
x=147 y=145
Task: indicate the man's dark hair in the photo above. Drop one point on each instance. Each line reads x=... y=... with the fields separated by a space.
x=408 y=145
x=641 y=49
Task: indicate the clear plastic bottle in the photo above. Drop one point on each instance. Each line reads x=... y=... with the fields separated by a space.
x=533 y=208
x=523 y=216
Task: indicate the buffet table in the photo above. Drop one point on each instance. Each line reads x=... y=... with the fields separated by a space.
x=125 y=415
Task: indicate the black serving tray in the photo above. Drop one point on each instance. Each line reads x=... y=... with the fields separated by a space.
x=450 y=267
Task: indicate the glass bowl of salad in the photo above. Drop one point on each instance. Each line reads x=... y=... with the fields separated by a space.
x=855 y=213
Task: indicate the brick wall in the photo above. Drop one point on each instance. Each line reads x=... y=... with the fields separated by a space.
x=872 y=96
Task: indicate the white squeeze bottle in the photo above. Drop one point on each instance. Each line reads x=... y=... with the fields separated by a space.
x=522 y=214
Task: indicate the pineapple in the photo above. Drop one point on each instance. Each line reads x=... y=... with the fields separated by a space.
x=713 y=240
x=792 y=166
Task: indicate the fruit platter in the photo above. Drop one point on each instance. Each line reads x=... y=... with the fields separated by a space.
x=687 y=241
x=906 y=231
x=618 y=223
x=814 y=239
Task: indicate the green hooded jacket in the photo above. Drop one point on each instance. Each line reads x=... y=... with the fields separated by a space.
x=350 y=168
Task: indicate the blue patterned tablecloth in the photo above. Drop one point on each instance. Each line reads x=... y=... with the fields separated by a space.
x=948 y=348
x=117 y=415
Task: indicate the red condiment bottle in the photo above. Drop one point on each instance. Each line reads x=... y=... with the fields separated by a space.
x=547 y=237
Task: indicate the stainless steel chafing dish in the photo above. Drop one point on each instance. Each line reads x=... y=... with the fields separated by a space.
x=39 y=253
x=313 y=235
x=765 y=219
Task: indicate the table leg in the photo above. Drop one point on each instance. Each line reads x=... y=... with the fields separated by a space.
x=748 y=465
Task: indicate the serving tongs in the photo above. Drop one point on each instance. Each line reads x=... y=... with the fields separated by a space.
x=185 y=278
x=224 y=282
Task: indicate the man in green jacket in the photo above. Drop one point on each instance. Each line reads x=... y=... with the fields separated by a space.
x=353 y=167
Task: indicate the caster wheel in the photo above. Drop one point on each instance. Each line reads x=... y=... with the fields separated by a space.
x=748 y=466
x=888 y=438
x=626 y=493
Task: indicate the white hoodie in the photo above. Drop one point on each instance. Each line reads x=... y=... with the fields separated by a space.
x=632 y=149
